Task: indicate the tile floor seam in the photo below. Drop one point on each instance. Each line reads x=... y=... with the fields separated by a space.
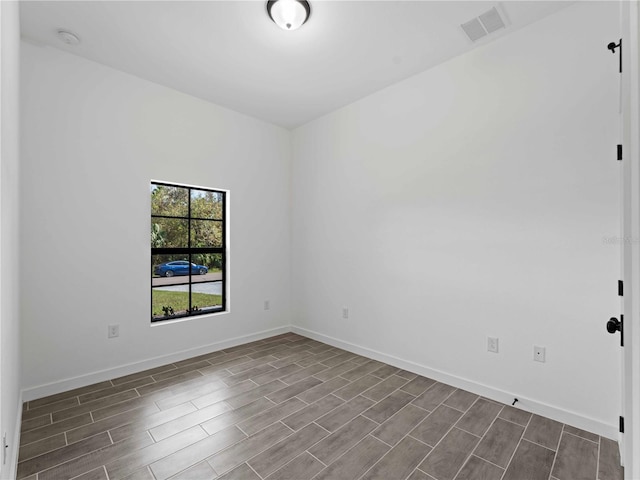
x=307 y=451
x=22 y=432
x=153 y=476
x=540 y=445
x=430 y=387
x=374 y=464
x=288 y=428
x=484 y=435
x=77 y=476
x=237 y=425
x=480 y=437
x=369 y=418
x=581 y=437
x=258 y=431
x=412 y=472
x=515 y=423
x=398 y=412
x=253 y=470
x=462 y=466
x=49 y=467
x=456 y=409
x=42 y=453
x=30 y=458
x=388 y=445
x=373 y=400
x=43 y=438
x=555 y=457
x=442 y=404
x=433 y=447
x=184 y=447
x=422 y=471
x=317 y=425
x=305 y=402
x=327 y=413
x=463 y=411
x=116 y=414
x=488 y=461
x=464 y=462
x=417 y=440
x=429 y=412
x=354 y=446
x=506 y=468
x=248 y=459
x=408 y=434
x=389 y=451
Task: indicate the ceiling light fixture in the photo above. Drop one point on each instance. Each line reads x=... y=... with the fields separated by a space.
x=289 y=14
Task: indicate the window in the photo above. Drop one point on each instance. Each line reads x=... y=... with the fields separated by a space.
x=188 y=251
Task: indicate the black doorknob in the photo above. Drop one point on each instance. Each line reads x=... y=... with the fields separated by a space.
x=614 y=325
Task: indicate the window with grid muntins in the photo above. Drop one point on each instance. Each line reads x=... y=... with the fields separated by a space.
x=188 y=251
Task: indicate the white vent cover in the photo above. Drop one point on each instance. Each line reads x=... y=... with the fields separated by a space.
x=474 y=29
x=492 y=20
x=483 y=25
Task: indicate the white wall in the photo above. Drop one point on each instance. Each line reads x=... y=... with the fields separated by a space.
x=467 y=201
x=93 y=138
x=9 y=240
x=472 y=200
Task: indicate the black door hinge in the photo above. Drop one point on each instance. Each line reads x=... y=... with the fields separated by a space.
x=619 y=152
x=621 y=424
x=622 y=330
x=620 y=288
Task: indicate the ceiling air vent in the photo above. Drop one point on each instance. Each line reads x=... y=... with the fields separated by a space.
x=483 y=25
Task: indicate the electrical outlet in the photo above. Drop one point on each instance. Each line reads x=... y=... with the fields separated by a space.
x=492 y=344
x=539 y=354
x=267 y=305
x=345 y=312
x=113 y=331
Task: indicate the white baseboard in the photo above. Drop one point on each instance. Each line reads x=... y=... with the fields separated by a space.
x=40 y=391
x=549 y=411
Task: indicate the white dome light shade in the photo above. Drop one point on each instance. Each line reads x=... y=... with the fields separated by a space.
x=289 y=14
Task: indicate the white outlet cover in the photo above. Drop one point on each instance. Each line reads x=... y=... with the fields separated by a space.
x=492 y=344
x=539 y=354
x=113 y=331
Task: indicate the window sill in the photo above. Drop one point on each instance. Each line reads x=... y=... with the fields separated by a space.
x=187 y=319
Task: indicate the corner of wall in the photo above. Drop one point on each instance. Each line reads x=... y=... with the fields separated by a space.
x=10 y=367
x=12 y=459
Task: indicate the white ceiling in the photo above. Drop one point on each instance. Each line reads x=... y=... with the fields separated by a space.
x=230 y=53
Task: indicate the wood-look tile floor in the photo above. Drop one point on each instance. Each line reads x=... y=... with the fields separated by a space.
x=293 y=408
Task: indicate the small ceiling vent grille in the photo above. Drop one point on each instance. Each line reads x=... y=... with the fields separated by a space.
x=474 y=29
x=483 y=25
